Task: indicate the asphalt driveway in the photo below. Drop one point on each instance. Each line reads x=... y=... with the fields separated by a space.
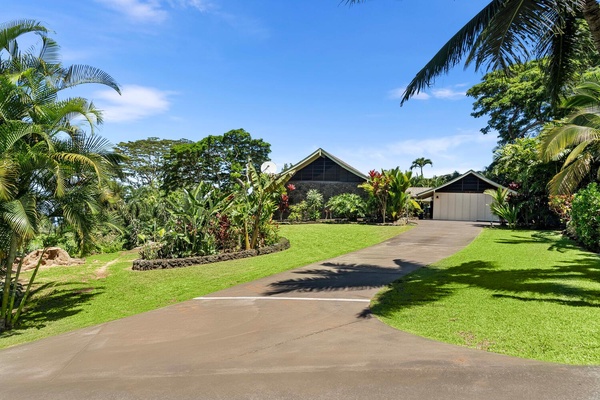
x=302 y=334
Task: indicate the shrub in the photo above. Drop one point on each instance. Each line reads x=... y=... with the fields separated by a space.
x=585 y=216
x=297 y=212
x=347 y=205
x=314 y=204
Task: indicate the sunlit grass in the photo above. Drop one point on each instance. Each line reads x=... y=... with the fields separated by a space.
x=74 y=297
x=523 y=293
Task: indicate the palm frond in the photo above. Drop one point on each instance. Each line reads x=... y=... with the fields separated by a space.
x=567 y=180
x=558 y=139
x=80 y=74
x=453 y=51
x=10 y=31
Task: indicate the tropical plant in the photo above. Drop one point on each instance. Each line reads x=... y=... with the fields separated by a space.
x=256 y=203
x=420 y=163
x=400 y=201
x=501 y=207
x=585 y=216
x=189 y=229
x=579 y=136
x=48 y=164
x=347 y=205
x=377 y=186
x=507 y=32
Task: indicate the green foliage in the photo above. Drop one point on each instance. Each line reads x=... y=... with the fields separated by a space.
x=145 y=160
x=420 y=163
x=188 y=231
x=585 y=216
x=49 y=165
x=378 y=186
x=579 y=136
x=314 y=205
x=347 y=205
x=561 y=205
x=517 y=103
x=500 y=206
x=400 y=202
x=518 y=165
x=220 y=160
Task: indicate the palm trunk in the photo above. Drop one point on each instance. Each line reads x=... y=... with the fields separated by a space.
x=13 y=296
x=591 y=13
x=256 y=227
x=28 y=290
x=7 y=278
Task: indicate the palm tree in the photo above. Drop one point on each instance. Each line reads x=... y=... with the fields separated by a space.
x=45 y=159
x=507 y=32
x=579 y=133
x=420 y=163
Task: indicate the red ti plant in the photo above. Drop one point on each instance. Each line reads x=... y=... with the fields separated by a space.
x=284 y=200
x=378 y=186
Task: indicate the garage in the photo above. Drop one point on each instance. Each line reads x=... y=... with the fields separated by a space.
x=462 y=199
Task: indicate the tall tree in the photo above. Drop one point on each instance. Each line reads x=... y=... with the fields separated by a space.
x=517 y=105
x=44 y=155
x=216 y=159
x=145 y=162
x=508 y=32
x=420 y=163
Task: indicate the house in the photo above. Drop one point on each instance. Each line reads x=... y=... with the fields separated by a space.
x=327 y=174
x=462 y=199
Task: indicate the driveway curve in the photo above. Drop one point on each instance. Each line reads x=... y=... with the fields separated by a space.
x=302 y=334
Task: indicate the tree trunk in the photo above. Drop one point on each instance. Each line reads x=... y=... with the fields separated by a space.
x=591 y=13
x=9 y=262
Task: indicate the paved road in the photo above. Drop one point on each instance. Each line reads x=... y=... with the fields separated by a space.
x=303 y=334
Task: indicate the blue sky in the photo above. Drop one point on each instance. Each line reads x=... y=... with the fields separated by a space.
x=300 y=74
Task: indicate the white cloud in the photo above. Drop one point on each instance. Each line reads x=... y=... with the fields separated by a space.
x=138 y=10
x=398 y=93
x=459 y=152
x=135 y=103
x=448 y=93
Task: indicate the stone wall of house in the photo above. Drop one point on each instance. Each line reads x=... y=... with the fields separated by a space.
x=327 y=189
x=146 y=265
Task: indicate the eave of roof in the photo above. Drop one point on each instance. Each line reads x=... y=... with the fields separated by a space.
x=320 y=152
x=429 y=192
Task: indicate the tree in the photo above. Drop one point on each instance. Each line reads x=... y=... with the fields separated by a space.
x=216 y=159
x=508 y=32
x=145 y=160
x=519 y=166
x=420 y=163
x=44 y=155
x=517 y=105
x=579 y=135
x=501 y=207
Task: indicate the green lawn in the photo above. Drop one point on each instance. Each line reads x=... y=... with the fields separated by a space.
x=74 y=297
x=523 y=293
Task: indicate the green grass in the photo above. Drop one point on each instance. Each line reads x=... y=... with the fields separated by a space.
x=69 y=298
x=523 y=293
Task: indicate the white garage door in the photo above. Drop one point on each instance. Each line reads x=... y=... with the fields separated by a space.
x=463 y=207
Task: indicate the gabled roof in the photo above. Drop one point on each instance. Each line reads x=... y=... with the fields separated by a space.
x=431 y=191
x=319 y=153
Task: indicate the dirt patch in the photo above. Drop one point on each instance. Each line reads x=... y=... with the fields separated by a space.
x=102 y=272
x=54 y=256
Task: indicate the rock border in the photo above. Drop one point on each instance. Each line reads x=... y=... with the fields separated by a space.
x=167 y=263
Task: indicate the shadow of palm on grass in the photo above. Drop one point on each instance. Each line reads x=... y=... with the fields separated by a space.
x=52 y=302
x=559 y=284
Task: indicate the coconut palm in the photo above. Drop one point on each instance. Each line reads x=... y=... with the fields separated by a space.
x=507 y=32
x=420 y=163
x=579 y=133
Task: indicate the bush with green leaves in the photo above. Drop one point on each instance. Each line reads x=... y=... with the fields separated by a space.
x=314 y=204
x=347 y=205
x=585 y=216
